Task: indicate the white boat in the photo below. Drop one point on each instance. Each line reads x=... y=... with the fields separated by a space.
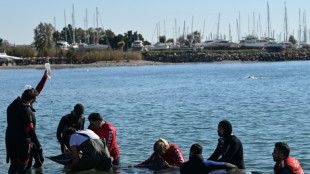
x=214 y=44
x=251 y=41
x=158 y=46
x=275 y=46
x=137 y=45
x=4 y=56
x=63 y=45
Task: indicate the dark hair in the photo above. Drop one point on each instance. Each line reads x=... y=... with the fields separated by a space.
x=95 y=117
x=283 y=147
x=79 y=109
x=196 y=149
x=226 y=125
x=29 y=94
x=68 y=132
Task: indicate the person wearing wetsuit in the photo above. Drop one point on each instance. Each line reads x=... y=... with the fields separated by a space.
x=170 y=153
x=229 y=148
x=284 y=163
x=20 y=136
x=95 y=154
x=75 y=119
x=105 y=130
x=196 y=164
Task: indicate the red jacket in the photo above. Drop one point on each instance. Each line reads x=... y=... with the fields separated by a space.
x=174 y=156
x=290 y=162
x=108 y=132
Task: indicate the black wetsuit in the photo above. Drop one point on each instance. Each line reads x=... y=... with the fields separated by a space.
x=194 y=165
x=20 y=135
x=67 y=121
x=231 y=150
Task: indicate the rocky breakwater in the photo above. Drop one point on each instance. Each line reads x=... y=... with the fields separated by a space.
x=184 y=57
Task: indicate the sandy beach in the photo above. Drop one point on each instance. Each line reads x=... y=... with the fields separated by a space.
x=97 y=64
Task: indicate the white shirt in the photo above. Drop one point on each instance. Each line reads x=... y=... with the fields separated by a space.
x=77 y=139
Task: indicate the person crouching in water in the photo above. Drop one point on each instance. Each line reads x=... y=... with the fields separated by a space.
x=196 y=164
x=285 y=163
x=95 y=154
x=170 y=153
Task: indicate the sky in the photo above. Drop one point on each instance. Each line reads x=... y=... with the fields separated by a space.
x=19 y=18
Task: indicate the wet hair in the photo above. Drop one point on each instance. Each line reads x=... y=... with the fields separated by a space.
x=29 y=94
x=79 y=109
x=283 y=148
x=68 y=132
x=196 y=149
x=226 y=125
x=161 y=145
x=95 y=117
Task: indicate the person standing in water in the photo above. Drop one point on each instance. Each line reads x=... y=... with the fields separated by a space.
x=76 y=120
x=229 y=148
x=105 y=130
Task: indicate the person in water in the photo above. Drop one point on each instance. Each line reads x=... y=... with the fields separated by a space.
x=229 y=148
x=105 y=130
x=95 y=154
x=284 y=163
x=75 y=119
x=196 y=164
x=170 y=153
x=21 y=138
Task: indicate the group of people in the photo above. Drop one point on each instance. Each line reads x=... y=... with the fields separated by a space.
x=99 y=148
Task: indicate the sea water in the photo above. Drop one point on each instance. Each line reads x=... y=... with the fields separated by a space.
x=181 y=103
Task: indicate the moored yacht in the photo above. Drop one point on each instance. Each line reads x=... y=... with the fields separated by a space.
x=251 y=41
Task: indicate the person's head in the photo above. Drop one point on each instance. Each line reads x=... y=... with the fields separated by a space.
x=281 y=151
x=78 y=109
x=224 y=128
x=196 y=149
x=30 y=95
x=161 y=146
x=67 y=134
x=95 y=120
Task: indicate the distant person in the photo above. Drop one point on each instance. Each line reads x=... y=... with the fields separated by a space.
x=170 y=153
x=284 y=163
x=229 y=148
x=94 y=152
x=105 y=130
x=76 y=120
x=197 y=165
x=21 y=138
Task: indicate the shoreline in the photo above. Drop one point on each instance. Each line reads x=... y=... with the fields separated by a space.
x=96 y=64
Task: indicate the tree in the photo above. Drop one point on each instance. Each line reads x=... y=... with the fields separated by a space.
x=43 y=37
x=170 y=40
x=146 y=42
x=162 y=39
x=56 y=36
x=1 y=40
x=292 y=39
x=121 y=44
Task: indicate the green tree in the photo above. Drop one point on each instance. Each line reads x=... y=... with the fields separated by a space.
x=130 y=37
x=1 y=40
x=170 y=40
x=43 y=37
x=162 y=39
x=292 y=39
x=146 y=42
x=121 y=44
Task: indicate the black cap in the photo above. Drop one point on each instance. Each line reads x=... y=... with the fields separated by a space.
x=226 y=125
x=79 y=109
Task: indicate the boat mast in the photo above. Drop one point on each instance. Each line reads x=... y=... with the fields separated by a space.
x=218 y=26
x=268 y=21
x=73 y=25
x=285 y=25
x=66 y=38
x=305 y=27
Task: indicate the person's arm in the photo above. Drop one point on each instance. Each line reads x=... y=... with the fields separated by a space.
x=212 y=165
x=59 y=130
x=146 y=161
x=111 y=141
x=42 y=82
x=178 y=156
x=75 y=153
x=216 y=154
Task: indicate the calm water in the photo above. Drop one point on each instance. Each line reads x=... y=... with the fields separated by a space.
x=181 y=103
